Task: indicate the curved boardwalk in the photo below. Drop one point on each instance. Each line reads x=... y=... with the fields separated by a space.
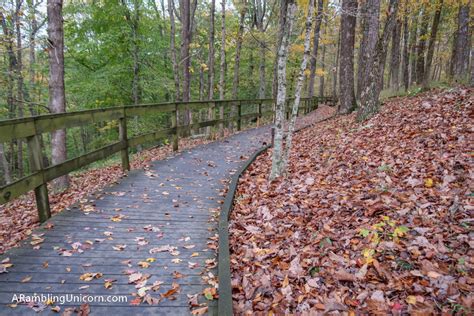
x=175 y=203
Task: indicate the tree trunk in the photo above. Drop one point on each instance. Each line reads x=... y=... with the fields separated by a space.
x=395 y=57
x=405 y=56
x=210 y=74
x=370 y=31
x=238 y=48
x=281 y=30
x=336 y=65
x=185 y=9
x=413 y=40
x=370 y=96
x=222 y=60
x=57 y=97
x=421 y=47
x=461 y=47
x=431 y=44
x=19 y=80
x=299 y=83
x=321 y=79
x=347 y=101
x=174 y=59
x=277 y=156
x=314 y=53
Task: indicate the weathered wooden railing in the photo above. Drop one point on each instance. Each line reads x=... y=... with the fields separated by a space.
x=31 y=127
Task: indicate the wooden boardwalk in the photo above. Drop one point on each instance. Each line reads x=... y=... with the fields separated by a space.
x=168 y=215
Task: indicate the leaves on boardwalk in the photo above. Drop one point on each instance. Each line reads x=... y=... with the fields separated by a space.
x=374 y=218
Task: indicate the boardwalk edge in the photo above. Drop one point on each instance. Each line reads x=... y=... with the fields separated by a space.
x=224 y=304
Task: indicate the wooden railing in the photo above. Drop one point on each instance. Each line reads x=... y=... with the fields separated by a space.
x=32 y=127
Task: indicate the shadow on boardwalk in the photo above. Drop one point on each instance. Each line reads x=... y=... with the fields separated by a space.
x=153 y=234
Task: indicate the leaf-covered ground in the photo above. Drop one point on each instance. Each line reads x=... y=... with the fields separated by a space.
x=374 y=218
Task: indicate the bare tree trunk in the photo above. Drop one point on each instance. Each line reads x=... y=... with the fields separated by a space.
x=238 y=48
x=347 y=100
x=421 y=47
x=461 y=47
x=277 y=157
x=19 y=81
x=431 y=44
x=370 y=96
x=222 y=60
x=211 y=51
x=336 y=65
x=133 y=23
x=314 y=53
x=299 y=83
x=262 y=89
x=281 y=29
x=370 y=31
x=57 y=97
x=321 y=79
x=185 y=9
x=405 y=56
x=395 y=57
x=413 y=40
x=174 y=59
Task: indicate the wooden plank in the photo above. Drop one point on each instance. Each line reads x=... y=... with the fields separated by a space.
x=137 y=140
x=67 y=166
x=146 y=109
x=19 y=187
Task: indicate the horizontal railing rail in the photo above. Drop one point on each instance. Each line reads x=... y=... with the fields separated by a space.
x=32 y=127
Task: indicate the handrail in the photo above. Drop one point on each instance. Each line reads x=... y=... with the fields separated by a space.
x=31 y=127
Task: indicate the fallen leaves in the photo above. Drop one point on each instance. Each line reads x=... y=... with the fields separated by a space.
x=373 y=218
x=90 y=276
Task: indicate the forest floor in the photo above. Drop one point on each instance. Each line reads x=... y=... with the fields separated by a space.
x=374 y=217
x=19 y=217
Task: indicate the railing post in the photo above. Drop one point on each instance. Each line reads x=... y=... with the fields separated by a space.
x=174 y=124
x=221 y=117
x=124 y=140
x=239 y=115
x=211 y=115
x=35 y=154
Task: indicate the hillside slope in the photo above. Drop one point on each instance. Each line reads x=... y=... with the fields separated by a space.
x=373 y=218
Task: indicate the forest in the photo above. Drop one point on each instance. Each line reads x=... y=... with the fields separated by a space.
x=283 y=157
x=133 y=52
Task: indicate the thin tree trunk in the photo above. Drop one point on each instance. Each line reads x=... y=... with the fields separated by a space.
x=347 y=101
x=370 y=96
x=57 y=97
x=238 y=49
x=395 y=57
x=431 y=44
x=299 y=83
x=19 y=81
x=262 y=87
x=314 y=53
x=370 y=31
x=277 y=156
x=222 y=60
x=413 y=40
x=336 y=65
x=211 y=51
x=174 y=59
x=421 y=47
x=405 y=56
x=281 y=29
x=321 y=79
